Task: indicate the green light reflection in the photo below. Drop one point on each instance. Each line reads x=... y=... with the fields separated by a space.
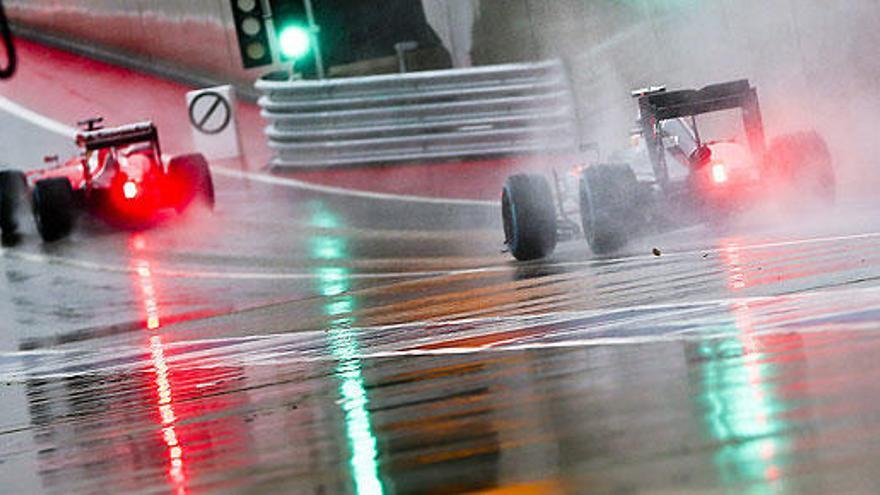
x=334 y=283
x=743 y=413
x=323 y=218
x=328 y=247
x=340 y=306
x=362 y=442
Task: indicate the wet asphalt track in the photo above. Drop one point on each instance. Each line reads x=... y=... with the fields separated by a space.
x=301 y=343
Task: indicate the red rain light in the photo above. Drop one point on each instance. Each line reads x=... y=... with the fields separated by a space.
x=129 y=190
x=719 y=173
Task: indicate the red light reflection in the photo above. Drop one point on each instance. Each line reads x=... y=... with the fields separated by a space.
x=164 y=389
x=747 y=267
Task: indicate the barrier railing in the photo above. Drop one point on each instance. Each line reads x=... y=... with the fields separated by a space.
x=484 y=111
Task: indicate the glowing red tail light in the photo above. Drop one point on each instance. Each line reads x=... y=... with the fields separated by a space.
x=130 y=189
x=719 y=173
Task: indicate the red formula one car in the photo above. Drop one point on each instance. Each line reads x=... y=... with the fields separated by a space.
x=119 y=176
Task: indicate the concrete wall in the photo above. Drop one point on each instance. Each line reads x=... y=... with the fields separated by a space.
x=192 y=35
x=198 y=36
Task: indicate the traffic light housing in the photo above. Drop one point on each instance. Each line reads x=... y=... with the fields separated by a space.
x=292 y=29
x=253 y=37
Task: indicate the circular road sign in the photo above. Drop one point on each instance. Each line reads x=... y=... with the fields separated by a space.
x=210 y=113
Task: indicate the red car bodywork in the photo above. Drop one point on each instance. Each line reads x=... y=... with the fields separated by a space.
x=120 y=175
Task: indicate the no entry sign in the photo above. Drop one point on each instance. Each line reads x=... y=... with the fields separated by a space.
x=210 y=112
x=212 y=119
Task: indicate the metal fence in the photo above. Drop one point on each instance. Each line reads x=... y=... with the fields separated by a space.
x=484 y=111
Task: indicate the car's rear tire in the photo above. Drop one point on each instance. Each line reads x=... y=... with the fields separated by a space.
x=191 y=177
x=529 y=216
x=13 y=191
x=612 y=203
x=54 y=208
x=803 y=162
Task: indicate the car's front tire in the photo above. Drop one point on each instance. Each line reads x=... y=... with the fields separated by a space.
x=529 y=216
x=54 y=206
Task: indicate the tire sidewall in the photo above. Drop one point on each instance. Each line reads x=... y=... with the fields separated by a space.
x=53 y=206
x=529 y=216
x=608 y=220
x=193 y=171
x=802 y=164
x=13 y=189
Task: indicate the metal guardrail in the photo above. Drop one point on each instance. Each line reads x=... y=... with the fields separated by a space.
x=491 y=110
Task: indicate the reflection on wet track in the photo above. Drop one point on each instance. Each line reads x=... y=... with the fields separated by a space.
x=764 y=396
x=744 y=365
x=295 y=342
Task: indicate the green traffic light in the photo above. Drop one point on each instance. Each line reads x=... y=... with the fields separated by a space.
x=295 y=41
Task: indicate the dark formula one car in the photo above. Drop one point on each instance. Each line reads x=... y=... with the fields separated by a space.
x=119 y=176
x=685 y=179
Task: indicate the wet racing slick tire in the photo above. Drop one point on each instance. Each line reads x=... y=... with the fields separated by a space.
x=802 y=163
x=54 y=206
x=611 y=202
x=529 y=216
x=13 y=190
x=191 y=177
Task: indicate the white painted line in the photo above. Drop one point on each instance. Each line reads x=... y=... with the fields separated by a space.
x=37 y=119
x=309 y=186
x=207 y=274
x=56 y=127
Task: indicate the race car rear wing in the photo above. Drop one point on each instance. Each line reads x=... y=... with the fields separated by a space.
x=118 y=136
x=664 y=105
